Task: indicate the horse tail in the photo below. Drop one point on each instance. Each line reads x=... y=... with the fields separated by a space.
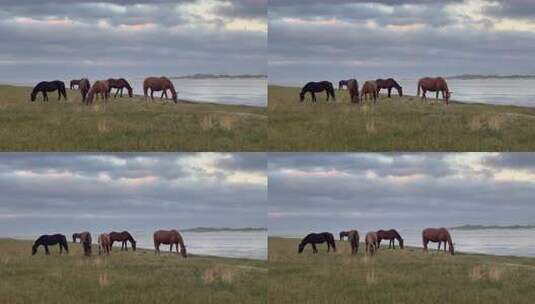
x=419 y=84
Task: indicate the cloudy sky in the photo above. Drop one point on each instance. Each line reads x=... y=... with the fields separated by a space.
x=310 y=39
x=330 y=192
x=70 y=38
x=72 y=192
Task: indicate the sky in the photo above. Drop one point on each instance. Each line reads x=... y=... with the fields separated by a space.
x=47 y=193
x=65 y=39
x=332 y=40
x=314 y=192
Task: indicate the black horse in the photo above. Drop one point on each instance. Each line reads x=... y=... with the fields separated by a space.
x=49 y=86
x=316 y=87
x=388 y=84
x=50 y=240
x=341 y=84
x=317 y=238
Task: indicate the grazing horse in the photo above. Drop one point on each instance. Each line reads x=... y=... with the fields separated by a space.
x=354 y=239
x=75 y=82
x=389 y=84
x=369 y=88
x=341 y=84
x=158 y=84
x=316 y=87
x=437 y=235
x=371 y=243
x=123 y=237
x=50 y=240
x=390 y=235
x=119 y=84
x=49 y=86
x=84 y=85
x=343 y=234
x=99 y=87
x=353 y=88
x=85 y=239
x=169 y=237
x=438 y=84
x=317 y=238
x=104 y=244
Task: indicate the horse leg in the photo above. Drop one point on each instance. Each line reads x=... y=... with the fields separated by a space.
x=389 y=91
x=46 y=250
x=314 y=249
x=152 y=95
x=438 y=245
x=437 y=94
x=176 y=246
x=171 y=248
x=45 y=96
x=313 y=97
x=116 y=92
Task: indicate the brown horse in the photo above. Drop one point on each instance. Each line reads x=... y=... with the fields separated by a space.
x=85 y=240
x=99 y=87
x=369 y=88
x=104 y=244
x=169 y=237
x=438 y=84
x=390 y=235
x=389 y=84
x=353 y=88
x=437 y=235
x=84 y=85
x=158 y=84
x=354 y=239
x=123 y=237
x=371 y=243
x=119 y=84
x=75 y=82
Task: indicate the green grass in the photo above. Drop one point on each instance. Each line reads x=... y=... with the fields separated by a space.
x=126 y=125
x=396 y=124
x=400 y=276
x=126 y=277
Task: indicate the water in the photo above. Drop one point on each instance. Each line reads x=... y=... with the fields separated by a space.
x=250 y=244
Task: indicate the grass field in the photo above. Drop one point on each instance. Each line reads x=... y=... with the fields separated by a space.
x=396 y=124
x=126 y=277
x=400 y=276
x=126 y=125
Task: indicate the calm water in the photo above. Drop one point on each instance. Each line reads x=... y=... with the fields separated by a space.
x=251 y=245
x=517 y=242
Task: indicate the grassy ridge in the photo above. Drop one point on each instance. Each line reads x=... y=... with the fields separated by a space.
x=396 y=124
x=126 y=277
x=400 y=276
x=126 y=125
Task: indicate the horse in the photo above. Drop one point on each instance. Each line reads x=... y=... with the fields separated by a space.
x=343 y=234
x=75 y=82
x=317 y=238
x=371 y=243
x=169 y=237
x=316 y=87
x=391 y=235
x=353 y=88
x=438 y=84
x=49 y=86
x=369 y=88
x=84 y=85
x=341 y=84
x=388 y=84
x=85 y=240
x=50 y=240
x=437 y=235
x=158 y=84
x=104 y=243
x=119 y=84
x=354 y=239
x=99 y=87
x=122 y=237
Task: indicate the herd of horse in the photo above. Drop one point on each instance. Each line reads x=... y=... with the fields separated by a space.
x=371 y=88
x=373 y=240
x=106 y=240
x=103 y=88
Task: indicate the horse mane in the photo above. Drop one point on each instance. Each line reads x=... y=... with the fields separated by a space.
x=396 y=233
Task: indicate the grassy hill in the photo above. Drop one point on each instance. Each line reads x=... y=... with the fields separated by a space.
x=400 y=276
x=396 y=124
x=126 y=124
x=126 y=277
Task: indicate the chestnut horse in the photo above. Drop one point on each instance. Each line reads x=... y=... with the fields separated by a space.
x=158 y=84
x=99 y=87
x=316 y=87
x=123 y=237
x=50 y=240
x=49 y=86
x=391 y=235
x=169 y=237
x=104 y=244
x=353 y=88
x=369 y=88
x=84 y=85
x=85 y=240
x=437 y=235
x=389 y=84
x=438 y=84
x=371 y=243
x=317 y=238
x=119 y=84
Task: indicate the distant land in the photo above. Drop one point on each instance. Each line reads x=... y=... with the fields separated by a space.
x=485 y=227
x=212 y=229
x=477 y=76
x=218 y=76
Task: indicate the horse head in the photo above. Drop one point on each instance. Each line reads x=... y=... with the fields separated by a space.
x=183 y=251
x=301 y=97
x=340 y=84
x=400 y=91
x=74 y=236
x=401 y=243
x=133 y=244
x=33 y=95
x=300 y=247
x=452 y=251
x=342 y=234
x=130 y=94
